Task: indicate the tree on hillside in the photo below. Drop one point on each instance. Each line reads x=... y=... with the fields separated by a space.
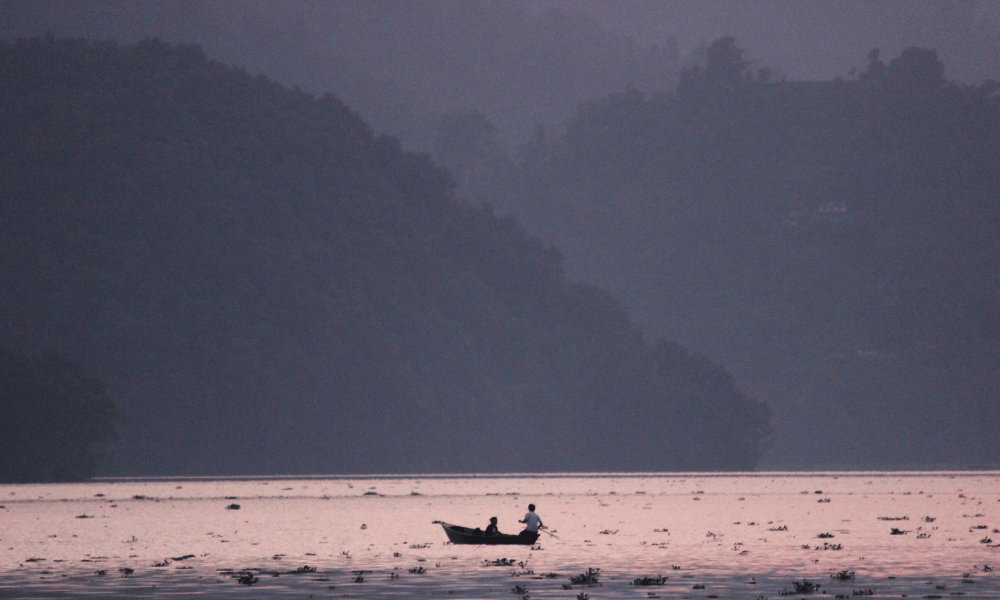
x=915 y=69
x=55 y=417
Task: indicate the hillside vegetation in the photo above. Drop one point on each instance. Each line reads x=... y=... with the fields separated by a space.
x=267 y=287
x=835 y=243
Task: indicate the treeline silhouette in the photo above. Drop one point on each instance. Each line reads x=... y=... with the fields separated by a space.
x=267 y=287
x=400 y=64
x=834 y=242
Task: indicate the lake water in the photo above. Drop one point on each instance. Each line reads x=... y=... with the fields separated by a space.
x=710 y=536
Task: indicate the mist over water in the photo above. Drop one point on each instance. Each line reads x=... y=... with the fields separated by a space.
x=739 y=536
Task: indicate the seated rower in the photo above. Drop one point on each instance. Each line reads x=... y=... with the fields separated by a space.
x=491 y=529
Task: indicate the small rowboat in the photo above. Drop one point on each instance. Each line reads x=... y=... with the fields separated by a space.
x=463 y=535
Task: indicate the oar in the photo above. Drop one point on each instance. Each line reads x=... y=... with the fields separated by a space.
x=552 y=534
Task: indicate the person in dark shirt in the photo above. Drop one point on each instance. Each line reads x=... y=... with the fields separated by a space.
x=491 y=529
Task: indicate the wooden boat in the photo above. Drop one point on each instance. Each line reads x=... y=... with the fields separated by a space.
x=463 y=535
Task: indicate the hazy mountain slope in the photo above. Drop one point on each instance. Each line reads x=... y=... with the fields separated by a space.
x=834 y=243
x=267 y=287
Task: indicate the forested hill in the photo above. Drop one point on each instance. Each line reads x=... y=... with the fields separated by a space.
x=835 y=243
x=267 y=287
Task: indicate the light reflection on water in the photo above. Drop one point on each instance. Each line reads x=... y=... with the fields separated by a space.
x=719 y=531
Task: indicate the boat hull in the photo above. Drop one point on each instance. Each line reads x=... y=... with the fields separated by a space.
x=463 y=535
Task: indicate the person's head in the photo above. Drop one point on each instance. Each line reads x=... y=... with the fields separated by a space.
x=531 y=508
x=493 y=520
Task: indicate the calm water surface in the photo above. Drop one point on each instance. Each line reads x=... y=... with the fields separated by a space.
x=710 y=536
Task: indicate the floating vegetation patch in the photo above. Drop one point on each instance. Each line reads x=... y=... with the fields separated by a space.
x=499 y=562
x=303 y=569
x=896 y=531
x=778 y=528
x=246 y=578
x=894 y=519
x=233 y=507
x=418 y=570
x=658 y=580
x=589 y=578
x=825 y=535
x=843 y=576
x=801 y=587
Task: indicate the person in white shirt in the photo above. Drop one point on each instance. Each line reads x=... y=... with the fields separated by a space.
x=531 y=524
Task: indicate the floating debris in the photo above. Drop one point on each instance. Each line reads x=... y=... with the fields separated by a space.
x=233 y=507
x=644 y=581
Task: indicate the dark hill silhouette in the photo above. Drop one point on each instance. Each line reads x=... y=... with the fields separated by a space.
x=267 y=287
